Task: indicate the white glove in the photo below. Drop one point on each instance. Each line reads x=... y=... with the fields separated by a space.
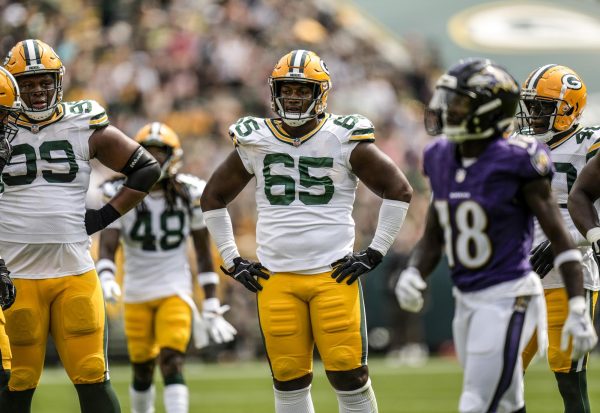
x=110 y=287
x=219 y=330
x=408 y=290
x=579 y=326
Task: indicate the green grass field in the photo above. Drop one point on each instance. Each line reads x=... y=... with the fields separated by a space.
x=241 y=388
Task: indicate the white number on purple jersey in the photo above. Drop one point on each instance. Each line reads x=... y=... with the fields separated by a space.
x=472 y=247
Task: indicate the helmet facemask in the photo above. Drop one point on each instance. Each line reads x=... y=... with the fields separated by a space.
x=308 y=107
x=54 y=96
x=474 y=100
x=551 y=103
x=8 y=119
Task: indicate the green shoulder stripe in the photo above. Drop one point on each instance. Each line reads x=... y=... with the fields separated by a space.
x=590 y=155
x=99 y=121
x=363 y=131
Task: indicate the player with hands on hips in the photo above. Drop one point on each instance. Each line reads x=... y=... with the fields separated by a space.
x=160 y=313
x=306 y=164
x=486 y=191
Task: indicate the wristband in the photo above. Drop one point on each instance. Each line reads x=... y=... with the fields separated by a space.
x=205 y=278
x=211 y=305
x=104 y=264
x=219 y=225
x=391 y=218
x=567 y=256
x=593 y=235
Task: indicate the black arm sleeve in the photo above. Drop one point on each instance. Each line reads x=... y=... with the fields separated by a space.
x=142 y=171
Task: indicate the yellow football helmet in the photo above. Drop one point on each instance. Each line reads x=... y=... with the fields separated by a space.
x=552 y=100
x=160 y=135
x=10 y=104
x=34 y=57
x=300 y=66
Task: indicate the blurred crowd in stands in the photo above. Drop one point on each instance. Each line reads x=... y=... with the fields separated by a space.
x=199 y=65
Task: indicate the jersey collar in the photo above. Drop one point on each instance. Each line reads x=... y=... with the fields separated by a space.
x=562 y=137
x=35 y=127
x=274 y=126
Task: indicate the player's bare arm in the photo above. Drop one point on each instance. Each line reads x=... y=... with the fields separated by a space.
x=229 y=179
x=427 y=253
x=379 y=173
x=538 y=195
x=115 y=150
x=384 y=178
x=224 y=185
x=204 y=262
x=578 y=325
x=584 y=193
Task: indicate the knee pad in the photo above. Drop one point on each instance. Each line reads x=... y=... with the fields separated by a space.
x=341 y=358
x=471 y=403
x=286 y=369
x=80 y=316
x=23 y=378
x=22 y=327
x=91 y=370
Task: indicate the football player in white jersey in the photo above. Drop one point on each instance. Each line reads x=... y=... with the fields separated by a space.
x=553 y=98
x=157 y=282
x=45 y=228
x=306 y=164
x=10 y=108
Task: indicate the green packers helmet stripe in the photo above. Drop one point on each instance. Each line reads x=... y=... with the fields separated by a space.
x=155 y=130
x=532 y=82
x=32 y=52
x=297 y=61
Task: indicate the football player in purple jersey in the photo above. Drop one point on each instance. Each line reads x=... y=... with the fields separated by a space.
x=486 y=191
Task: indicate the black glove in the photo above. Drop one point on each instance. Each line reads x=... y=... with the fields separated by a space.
x=97 y=219
x=355 y=265
x=244 y=271
x=5 y=152
x=542 y=259
x=8 y=292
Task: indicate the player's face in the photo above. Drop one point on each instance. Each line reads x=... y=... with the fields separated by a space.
x=37 y=91
x=540 y=111
x=458 y=108
x=296 y=97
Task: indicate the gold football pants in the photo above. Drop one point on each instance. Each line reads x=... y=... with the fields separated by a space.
x=297 y=311
x=152 y=325
x=5 y=354
x=72 y=310
x=557 y=307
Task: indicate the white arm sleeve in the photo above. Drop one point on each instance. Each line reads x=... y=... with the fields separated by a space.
x=391 y=218
x=219 y=225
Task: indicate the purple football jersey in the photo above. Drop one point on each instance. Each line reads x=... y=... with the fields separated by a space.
x=488 y=227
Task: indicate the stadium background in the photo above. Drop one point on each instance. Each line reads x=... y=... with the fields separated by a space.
x=200 y=65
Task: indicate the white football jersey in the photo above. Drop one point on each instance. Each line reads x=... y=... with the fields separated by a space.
x=155 y=242
x=305 y=189
x=44 y=187
x=569 y=156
